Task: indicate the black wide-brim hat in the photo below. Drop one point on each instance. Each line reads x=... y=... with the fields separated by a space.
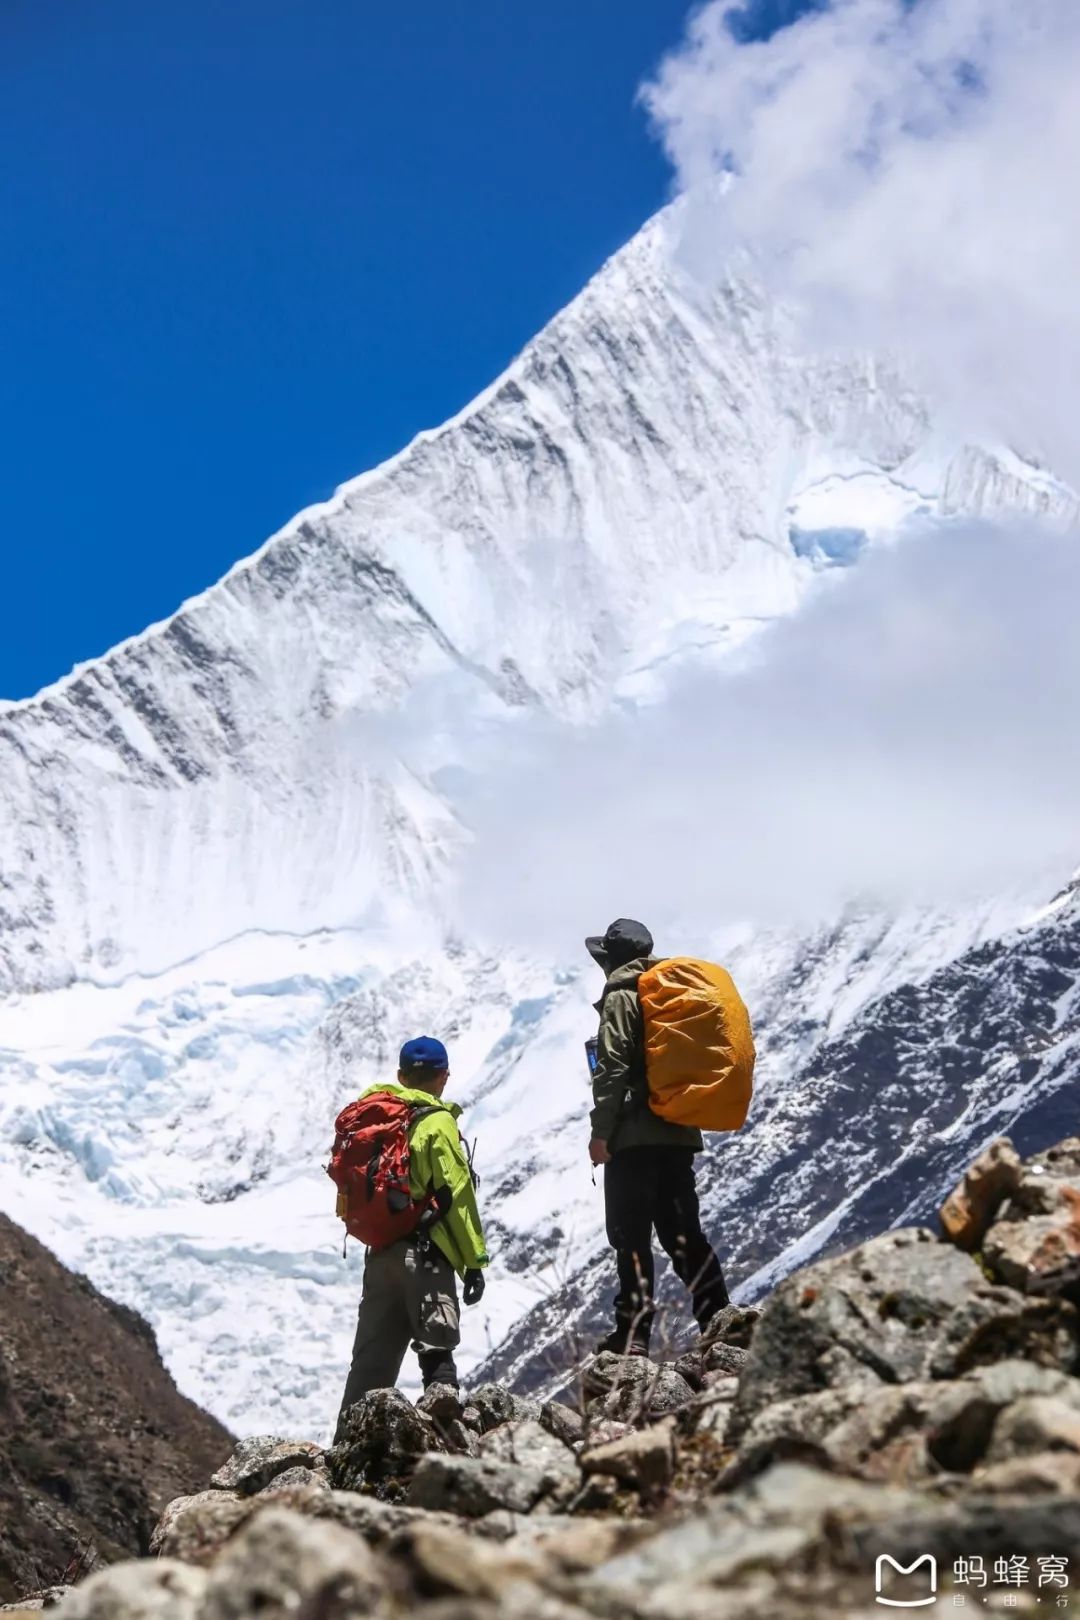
x=624 y=940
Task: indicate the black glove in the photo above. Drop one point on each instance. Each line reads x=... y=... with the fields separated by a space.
x=473 y=1291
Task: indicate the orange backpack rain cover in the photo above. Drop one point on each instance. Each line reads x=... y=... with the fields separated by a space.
x=699 y=1048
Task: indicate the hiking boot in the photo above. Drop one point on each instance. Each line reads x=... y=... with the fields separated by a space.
x=438 y=1367
x=622 y=1343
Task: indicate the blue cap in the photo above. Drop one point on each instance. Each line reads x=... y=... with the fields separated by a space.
x=425 y=1052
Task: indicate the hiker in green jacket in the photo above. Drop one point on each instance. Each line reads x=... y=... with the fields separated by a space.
x=648 y=1162
x=410 y=1287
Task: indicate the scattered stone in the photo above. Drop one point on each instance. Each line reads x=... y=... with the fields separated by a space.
x=442 y=1402
x=1046 y=1473
x=281 y=1565
x=297 y=1479
x=530 y=1445
x=257 y=1461
x=645 y=1458
x=631 y=1389
x=733 y=1324
x=1034 y=1424
x=192 y=1528
x=897 y=1309
x=378 y=1522
x=493 y=1404
x=563 y=1422
x=724 y=1360
x=1039 y=1254
x=969 y=1209
x=691 y=1367
x=142 y=1590
x=384 y=1436
x=473 y=1486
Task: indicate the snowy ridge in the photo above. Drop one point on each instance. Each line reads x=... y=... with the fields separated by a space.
x=223 y=845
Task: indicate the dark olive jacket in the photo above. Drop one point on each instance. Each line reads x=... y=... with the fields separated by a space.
x=621 y=1115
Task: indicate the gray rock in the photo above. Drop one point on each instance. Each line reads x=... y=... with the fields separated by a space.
x=1036 y=1423
x=971 y=1526
x=691 y=1367
x=897 y=1309
x=297 y=1479
x=734 y=1325
x=726 y=1360
x=1046 y=1473
x=645 y=1458
x=775 y=1522
x=494 y=1404
x=378 y=1522
x=257 y=1461
x=473 y=1486
x=563 y=1422
x=143 y=1590
x=442 y=1402
x=192 y=1528
x=530 y=1445
x=384 y=1435
x=281 y=1565
x=630 y=1389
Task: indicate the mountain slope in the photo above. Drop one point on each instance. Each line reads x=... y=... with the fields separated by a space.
x=870 y=1127
x=94 y=1437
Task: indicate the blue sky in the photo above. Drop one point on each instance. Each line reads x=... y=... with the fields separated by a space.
x=249 y=250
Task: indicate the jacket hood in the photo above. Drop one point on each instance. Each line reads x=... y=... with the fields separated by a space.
x=421 y=1099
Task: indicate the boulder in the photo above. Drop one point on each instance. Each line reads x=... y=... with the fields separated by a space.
x=1036 y=1423
x=442 y=1402
x=192 y=1528
x=1035 y=1246
x=473 y=1486
x=631 y=1389
x=777 y=1522
x=690 y=1366
x=257 y=1461
x=644 y=1458
x=492 y=1404
x=529 y=1444
x=734 y=1325
x=384 y=1435
x=297 y=1479
x=441 y=1562
x=564 y=1422
x=724 y=1360
x=899 y=1308
x=376 y=1521
x=142 y=1590
x=280 y=1565
x=971 y=1206
x=1046 y=1473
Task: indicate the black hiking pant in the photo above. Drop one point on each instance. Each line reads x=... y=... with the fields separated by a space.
x=647 y=1187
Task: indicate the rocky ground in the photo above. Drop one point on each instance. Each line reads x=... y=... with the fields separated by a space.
x=95 y=1438
x=914 y=1399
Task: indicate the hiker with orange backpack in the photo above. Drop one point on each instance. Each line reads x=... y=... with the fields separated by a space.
x=406 y=1189
x=674 y=1053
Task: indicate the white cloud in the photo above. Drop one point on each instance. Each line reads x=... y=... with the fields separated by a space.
x=908 y=736
x=907 y=178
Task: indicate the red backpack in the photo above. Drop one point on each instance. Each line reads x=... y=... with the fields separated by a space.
x=370 y=1168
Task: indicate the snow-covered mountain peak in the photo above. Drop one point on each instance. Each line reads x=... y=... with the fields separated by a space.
x=220 y=842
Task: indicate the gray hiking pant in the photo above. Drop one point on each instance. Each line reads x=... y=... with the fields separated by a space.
x=410 y=1293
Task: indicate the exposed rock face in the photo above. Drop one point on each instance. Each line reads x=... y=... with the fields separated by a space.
x=95 y=1438
x=895 y=1400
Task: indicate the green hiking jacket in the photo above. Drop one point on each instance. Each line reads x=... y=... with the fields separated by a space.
x=621 y=1115
x=437 y=1159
